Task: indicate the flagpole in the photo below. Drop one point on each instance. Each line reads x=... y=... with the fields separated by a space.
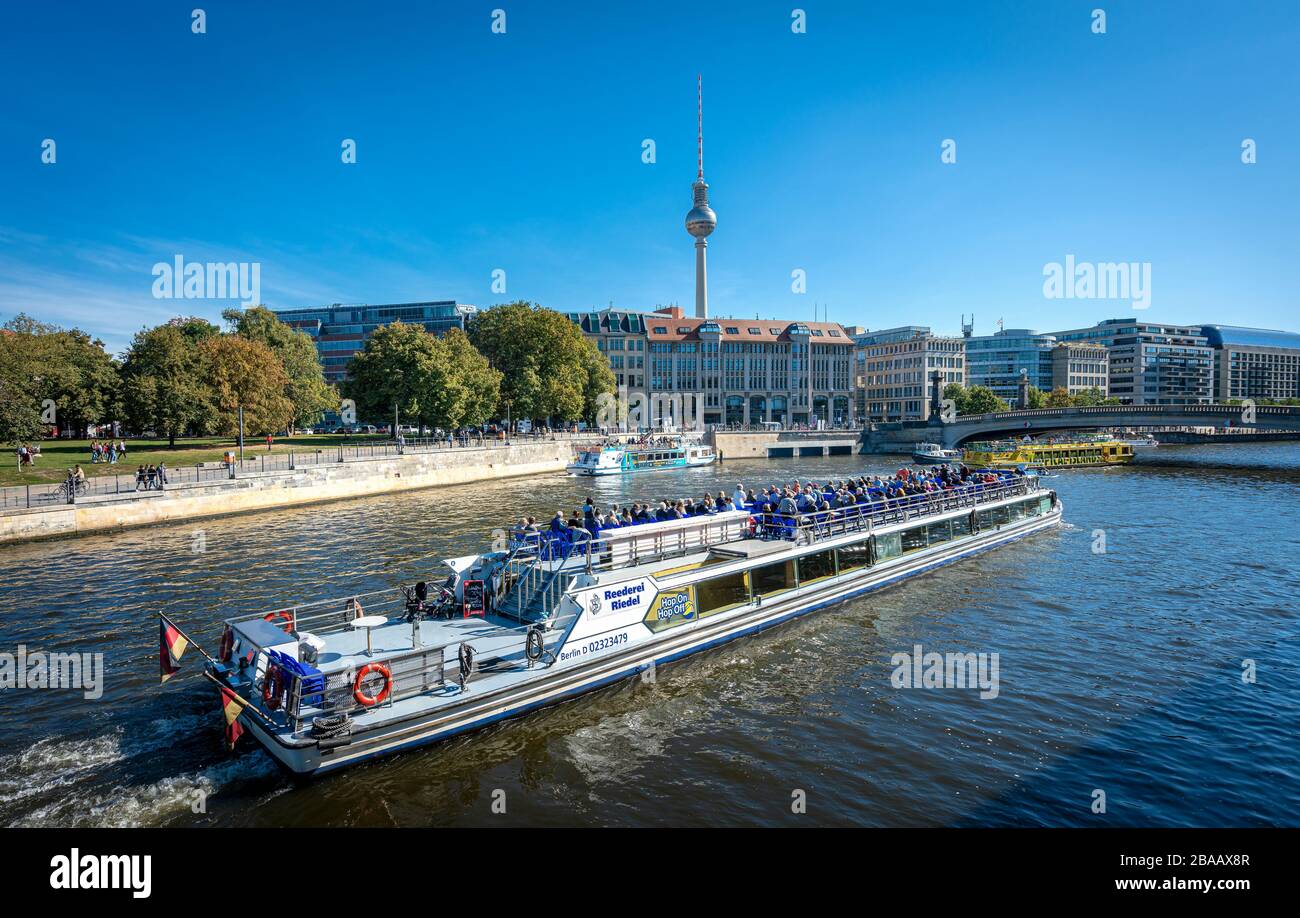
x=193 y=643
x=248 y=705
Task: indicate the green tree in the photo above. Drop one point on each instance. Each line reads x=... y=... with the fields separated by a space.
x=164 y=381
x=974 y=399
x=438 y=382
x=468 y=373
x=956 y=393
x=20 y=409
x=67 y=367
x=549 y=370
x=245 y=374
x=307 y=389
x=1060 y=398
x=1089 y=398
x=1037 y=397
x=982 y=400
x=395 y=368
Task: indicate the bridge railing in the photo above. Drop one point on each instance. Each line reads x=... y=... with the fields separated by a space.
x=1104 y=410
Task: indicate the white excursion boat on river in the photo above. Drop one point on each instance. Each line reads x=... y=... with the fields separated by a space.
x=934 y=454
x=506 y=632
x=676 y=453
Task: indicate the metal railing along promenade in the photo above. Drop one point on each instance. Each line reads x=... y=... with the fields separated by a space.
x=126 y=485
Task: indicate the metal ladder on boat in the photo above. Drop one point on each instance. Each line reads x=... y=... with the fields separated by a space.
x=537 y=583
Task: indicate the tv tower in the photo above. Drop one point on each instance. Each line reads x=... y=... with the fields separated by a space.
x=701 y=220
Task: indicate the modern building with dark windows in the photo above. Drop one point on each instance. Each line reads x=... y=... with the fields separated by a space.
x=1152 y=364
x=726 y=371
x=340 y=330
x=999 y=360
x=1256 y=363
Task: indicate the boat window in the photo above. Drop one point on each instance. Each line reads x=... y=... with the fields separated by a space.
x=913 y=539
x=938 y=532
x=816 y=567
x=773 y=578
x=1015 y=512
x=998 y=516
x=721 y=593
x=1044 y=505
x=960 y=527
x=852 y=557
x=888 y=546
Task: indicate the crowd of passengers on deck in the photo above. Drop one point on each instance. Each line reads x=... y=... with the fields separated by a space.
x=775 y=502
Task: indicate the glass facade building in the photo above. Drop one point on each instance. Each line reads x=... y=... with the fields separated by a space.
x=1256 y=363
x=341 y=330
x=998 y=361
x=1153 y=364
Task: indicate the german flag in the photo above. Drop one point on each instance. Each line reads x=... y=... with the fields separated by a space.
x=171 y=644
x=232 y=707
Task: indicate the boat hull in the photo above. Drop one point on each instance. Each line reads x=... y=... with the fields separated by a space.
x=596 y=471
x=566 y=682
x=931 y=459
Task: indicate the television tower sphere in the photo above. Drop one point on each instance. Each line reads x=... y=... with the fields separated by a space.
x=701 y=220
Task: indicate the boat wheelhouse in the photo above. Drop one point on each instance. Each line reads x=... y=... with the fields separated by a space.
x=620 y=460
x=552 y=616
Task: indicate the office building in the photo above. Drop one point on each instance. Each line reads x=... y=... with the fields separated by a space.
x=341 y=330
x=894 y=367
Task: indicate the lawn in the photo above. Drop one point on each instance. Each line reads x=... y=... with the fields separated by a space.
x=57 y=456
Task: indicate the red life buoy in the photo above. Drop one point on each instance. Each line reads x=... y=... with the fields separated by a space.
x=368 y=700
x=227 y=645
x=284 y=615
x=272 y=687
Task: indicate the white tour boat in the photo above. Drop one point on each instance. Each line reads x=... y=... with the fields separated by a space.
x=677 y=453
x=508 y=631
x=934 y=454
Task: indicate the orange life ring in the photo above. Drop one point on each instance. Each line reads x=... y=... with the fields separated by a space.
x=369 y=700
x=272 y=687
x=285 y=615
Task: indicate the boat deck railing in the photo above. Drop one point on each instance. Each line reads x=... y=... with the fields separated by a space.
x=609 y=552
x=412 y=672
x=819 y=525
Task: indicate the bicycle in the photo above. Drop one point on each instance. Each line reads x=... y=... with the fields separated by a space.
x=74 y=487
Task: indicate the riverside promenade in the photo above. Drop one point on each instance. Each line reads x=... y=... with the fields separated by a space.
x=268 y=483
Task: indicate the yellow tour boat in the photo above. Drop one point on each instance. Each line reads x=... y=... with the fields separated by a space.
x=1011 y=454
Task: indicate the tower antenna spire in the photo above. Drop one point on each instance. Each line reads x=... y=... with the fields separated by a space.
x=701 y=220
x=699 y=77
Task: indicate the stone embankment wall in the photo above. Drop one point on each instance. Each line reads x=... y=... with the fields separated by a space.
x=275 y=490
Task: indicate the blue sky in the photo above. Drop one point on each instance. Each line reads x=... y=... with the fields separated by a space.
x=522 y=151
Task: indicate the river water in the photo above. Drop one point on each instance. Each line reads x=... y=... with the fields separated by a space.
x=1119 y=671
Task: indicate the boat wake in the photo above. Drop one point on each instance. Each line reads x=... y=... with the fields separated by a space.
x=113 y=779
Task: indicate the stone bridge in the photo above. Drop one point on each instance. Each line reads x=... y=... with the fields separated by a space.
x=890 y=437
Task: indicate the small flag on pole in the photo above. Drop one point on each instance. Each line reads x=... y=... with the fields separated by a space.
x=171 y=644
x=232 y=707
